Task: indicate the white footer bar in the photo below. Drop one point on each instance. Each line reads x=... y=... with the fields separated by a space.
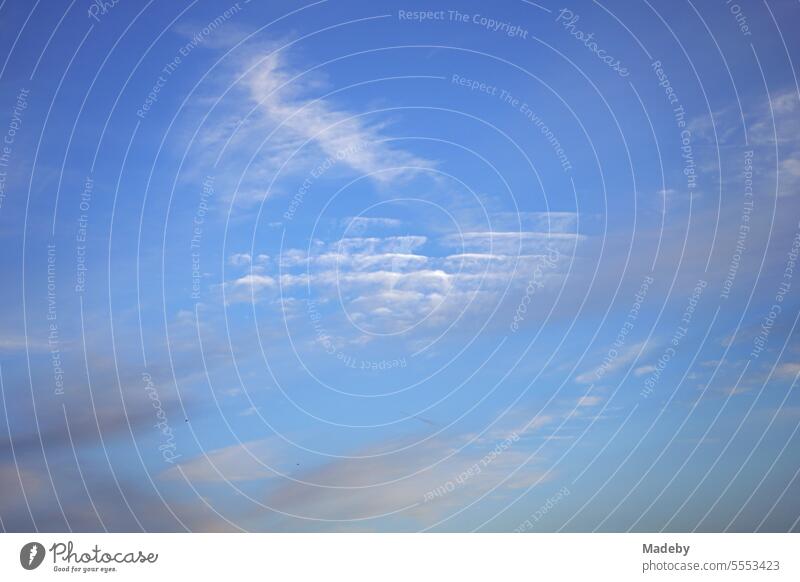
x=406 y=557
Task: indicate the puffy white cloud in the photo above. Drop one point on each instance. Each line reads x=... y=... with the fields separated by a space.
x=247 y=287
x=240 y=259
x=390 y=283
x=589 y=401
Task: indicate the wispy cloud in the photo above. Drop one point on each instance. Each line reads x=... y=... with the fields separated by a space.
x=281 y=95
x=788 y=370
x=280 y=117
x=424 y=483
x=771 y=123
x=614 y=360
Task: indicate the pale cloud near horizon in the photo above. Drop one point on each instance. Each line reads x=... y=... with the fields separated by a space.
x=417 y=478
x=425 y=482
x=248 y=461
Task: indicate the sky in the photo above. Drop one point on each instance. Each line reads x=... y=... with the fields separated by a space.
x=399 y=266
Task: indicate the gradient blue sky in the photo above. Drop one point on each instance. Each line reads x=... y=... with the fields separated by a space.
x=350 y=271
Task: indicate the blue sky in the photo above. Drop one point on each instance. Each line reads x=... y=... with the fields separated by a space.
x=399 y=266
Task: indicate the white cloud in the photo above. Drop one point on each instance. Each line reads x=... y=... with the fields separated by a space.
x=613 y=362
x=788 y=370
x=514 y=242
x=553 y=221
x=246 y=287
x=279 y=93
x=359 y=224
x=18 y=344
x=589 y=400
x=734 y=390
x=275 y=117
x=389 y=283
x=769 y=122
x=644 y=370
x=240 y=259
